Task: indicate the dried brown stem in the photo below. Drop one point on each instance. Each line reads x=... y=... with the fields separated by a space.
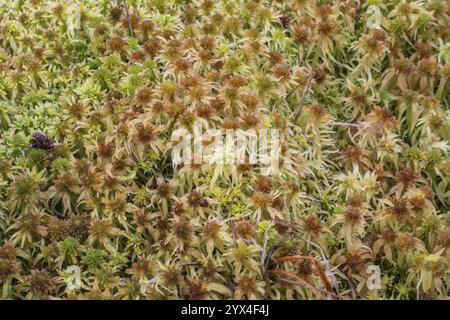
x=326 y=262
x=294 y=279
x=323 y=277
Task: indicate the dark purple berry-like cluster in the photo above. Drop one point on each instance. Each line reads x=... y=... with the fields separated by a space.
x=204 y=203
x=40 y=141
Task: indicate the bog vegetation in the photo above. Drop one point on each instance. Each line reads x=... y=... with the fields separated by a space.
x=90 y=92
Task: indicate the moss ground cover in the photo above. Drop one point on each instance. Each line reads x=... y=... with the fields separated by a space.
x=93 y=206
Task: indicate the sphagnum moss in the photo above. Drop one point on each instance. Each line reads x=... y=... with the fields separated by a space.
x=90 y=95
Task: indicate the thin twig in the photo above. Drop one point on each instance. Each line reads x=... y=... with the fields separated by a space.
x=293 y=90
x=264 y=264
x=128 y=17
x=346 y=124
x=302 y=101
x=418 y=290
